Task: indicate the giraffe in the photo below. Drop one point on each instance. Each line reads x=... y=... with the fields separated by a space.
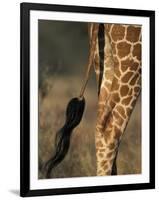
x=117 y=63
x=115 y=51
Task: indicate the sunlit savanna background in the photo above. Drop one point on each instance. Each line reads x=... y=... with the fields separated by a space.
x=63 y=55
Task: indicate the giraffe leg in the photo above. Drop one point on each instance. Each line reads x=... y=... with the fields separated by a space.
x=108 y=138
x=121 y=84
x=106 y=147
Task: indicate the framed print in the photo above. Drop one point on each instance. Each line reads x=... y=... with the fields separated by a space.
x=87 y=99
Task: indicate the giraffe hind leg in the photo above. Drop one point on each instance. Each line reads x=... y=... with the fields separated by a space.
x=106 y=148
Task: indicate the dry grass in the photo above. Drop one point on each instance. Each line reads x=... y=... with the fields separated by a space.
x=81 y=160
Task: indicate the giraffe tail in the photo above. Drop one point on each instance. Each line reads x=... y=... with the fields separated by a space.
x=74 y=113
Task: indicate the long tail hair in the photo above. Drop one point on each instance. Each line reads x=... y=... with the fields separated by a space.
x=74 y=113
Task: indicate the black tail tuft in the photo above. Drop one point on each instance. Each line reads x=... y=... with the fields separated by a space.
x=74 y=113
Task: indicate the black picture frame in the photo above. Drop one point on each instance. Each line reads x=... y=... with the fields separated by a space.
x=25 y=9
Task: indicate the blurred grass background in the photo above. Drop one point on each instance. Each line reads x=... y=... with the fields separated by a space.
x=63 y=54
